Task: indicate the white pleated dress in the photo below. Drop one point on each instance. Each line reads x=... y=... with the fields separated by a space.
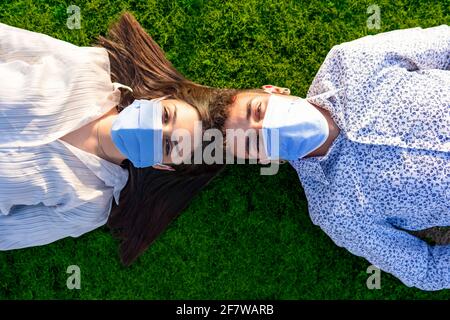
x=50 y=189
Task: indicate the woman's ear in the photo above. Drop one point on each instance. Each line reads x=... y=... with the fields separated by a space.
x=274 y=89
x=163 y=167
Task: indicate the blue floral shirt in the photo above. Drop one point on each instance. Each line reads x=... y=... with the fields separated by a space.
x=389 y=168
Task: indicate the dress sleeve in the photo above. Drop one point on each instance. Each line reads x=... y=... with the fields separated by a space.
x=36 y=225
x=395 y=251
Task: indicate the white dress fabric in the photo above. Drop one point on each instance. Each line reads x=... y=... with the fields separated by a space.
x=50 y=189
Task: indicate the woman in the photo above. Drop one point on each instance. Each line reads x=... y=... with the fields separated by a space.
x=371 y=146
x=61 y=161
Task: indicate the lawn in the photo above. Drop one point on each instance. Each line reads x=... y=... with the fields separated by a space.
x=246 y=236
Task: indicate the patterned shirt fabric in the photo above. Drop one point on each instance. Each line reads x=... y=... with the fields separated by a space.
x=388 y=170
x=50 y=189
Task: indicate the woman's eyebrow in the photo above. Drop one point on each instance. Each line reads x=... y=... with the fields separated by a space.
x=165 y=137
x=174 y=118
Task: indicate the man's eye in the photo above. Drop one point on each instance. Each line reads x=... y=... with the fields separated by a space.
x=167 y=146
x=258 y=111
x=165 y=116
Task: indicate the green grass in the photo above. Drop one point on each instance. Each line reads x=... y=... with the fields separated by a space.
x=246 y=236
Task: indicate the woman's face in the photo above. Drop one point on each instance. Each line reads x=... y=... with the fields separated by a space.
x=178 y=122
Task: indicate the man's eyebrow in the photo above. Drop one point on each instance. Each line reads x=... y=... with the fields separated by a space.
x=249 y=108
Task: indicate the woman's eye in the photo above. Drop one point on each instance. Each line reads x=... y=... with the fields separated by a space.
x=167 y=146
x=165 y=116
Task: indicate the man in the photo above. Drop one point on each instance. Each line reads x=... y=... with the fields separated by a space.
x=371 y=146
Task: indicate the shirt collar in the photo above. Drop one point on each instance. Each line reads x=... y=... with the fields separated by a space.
x=329 y=100
x=313 y=167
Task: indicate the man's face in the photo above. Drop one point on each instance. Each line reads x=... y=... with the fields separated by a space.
x=245 y=119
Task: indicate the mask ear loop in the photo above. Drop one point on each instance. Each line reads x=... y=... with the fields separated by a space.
x=116 y=86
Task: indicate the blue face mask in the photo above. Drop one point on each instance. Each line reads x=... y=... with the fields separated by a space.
x=292 y=128
x=137 y=132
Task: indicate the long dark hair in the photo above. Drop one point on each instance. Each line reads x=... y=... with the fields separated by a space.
x=152 y=198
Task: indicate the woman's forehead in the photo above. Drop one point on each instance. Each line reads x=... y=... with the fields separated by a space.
x=177 y=102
